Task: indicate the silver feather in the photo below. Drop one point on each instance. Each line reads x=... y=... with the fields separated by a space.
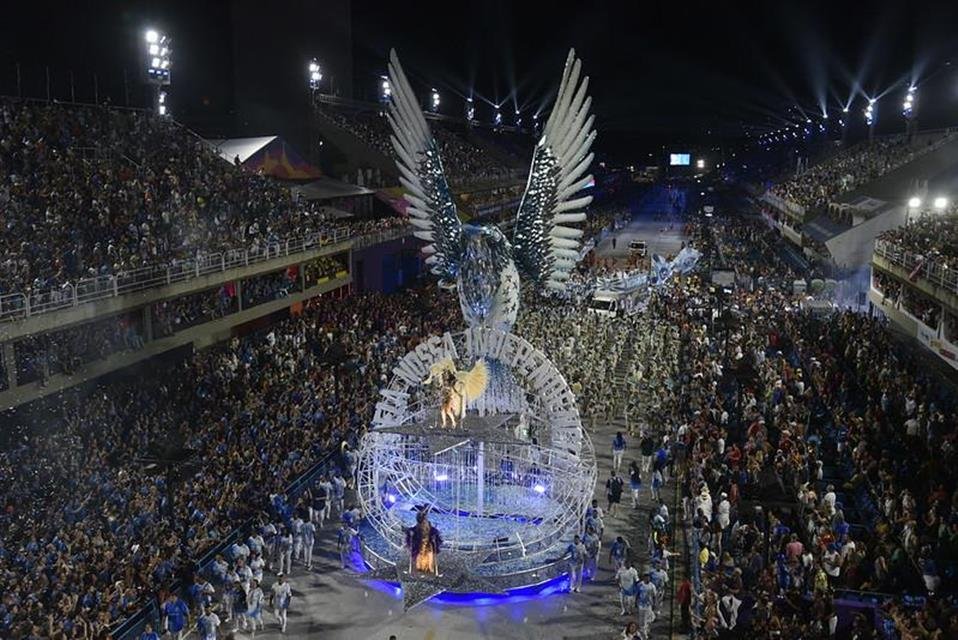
x=432 y=209
x=544 y=247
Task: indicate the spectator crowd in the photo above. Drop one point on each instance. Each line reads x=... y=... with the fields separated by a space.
x=815 y=187
x=812 y=455
x=89 y=532
x=930 y=239
x=93 y=191
x=465 y=161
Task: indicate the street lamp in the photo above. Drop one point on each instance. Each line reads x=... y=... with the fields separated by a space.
x=434 y=103
x=314 y=74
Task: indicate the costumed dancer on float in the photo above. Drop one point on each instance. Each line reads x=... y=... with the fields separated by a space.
x=457 y=388
x=423 y=541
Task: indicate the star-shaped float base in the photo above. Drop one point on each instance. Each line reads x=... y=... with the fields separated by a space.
x=455 y=574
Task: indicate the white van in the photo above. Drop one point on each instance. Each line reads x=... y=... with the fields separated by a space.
x=616 y=304
x=604 y=303
x=638 y=247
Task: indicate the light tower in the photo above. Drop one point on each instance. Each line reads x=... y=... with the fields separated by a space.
x=434 y=101
x=470 y=111
x=313 y=74
x=159 y=67
x=908 y=111
x=870 y=118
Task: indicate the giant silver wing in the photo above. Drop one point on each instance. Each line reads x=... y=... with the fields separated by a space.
x=544 y=247
x=432 y=209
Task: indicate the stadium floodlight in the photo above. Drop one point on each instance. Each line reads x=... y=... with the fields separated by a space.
x=314 y=74
x=497 y=118
x=700 y=163
x=870 y=112
x=385 y=89
x=941 y=203
x=844 y=109
x=908 y=106
x=158 y=56
x=470 y=110
x=914 y=202
x=434 y=102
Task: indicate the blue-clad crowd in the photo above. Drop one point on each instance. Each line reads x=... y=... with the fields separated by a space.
x=87 y=533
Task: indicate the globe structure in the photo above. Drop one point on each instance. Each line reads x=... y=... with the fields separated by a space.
x=508 y=486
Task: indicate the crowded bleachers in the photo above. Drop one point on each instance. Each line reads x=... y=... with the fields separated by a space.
x=817 y=186
x=67 y=350
x=178 y=314
x=92 y=191
x=465 y=162
x=932 y=238
x=84 y=519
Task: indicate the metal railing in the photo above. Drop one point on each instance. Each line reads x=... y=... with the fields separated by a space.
x=919 y=266
x=18 y=306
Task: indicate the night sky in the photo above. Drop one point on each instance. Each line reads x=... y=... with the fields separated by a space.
x=669 y=72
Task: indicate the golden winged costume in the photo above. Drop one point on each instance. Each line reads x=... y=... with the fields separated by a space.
x=457 y=388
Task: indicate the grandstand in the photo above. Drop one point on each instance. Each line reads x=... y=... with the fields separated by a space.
x=477 y=157
x=835 y=209
x=180 y=216
x=915 y=281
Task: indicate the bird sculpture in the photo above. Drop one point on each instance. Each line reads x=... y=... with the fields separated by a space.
x=483 y=260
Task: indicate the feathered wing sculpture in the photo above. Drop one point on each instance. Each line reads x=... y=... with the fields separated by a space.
x=432 y=209
x=545 y=248
x=479 y=258
x=457 y=388
x=470 y=384
x=438 y=369
x=474 y=381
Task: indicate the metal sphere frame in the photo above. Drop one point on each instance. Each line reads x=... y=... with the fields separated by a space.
x=491 y=489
